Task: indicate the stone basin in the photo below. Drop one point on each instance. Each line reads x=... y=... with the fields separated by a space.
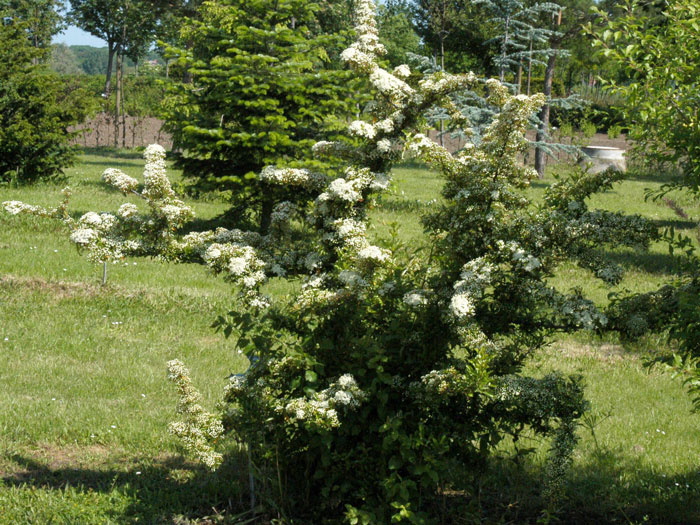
x=600 y=158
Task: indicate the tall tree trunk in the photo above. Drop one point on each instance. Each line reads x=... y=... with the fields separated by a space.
x=519 y=79
x=442 y=65
x=111 y=50
x=504 y=48
x=266 y=214
x=529 y=68
x=117 y=102
x=123 y=112
x=543 y=128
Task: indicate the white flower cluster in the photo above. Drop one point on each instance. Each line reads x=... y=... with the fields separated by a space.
x=238 y=262
x=293 y=177
x=385 y=126
x=17 y=207
x=83 y=236
x=200 y=241
x=402 y=71
x=156 y=183
x=416 y=298
x=352 y=279
x=351 y=233
x=120 y=180
x=322 y=409
x=128 y=211
x=373 y=255
x=176 y=213
x=199 y=429
x=442 y=82
x=362 y=53
x=360 y=128
x=325 y=148
x=343 y=190
x=94 y=232
x=398 y=91
x=527 y=261
x=475 y=277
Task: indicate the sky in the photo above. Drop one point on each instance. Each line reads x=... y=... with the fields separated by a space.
x=74 y=36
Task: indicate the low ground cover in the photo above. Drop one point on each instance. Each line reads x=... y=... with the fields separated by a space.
x=85 y=402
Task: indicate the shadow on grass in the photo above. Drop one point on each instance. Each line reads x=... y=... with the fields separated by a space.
x=609 y=488
x=158 y=492
x=105 y=163
x=115 y=153
x=654 y=263
x=612 y=488
x=678 y=224
x=659 y=176
x=540 y=184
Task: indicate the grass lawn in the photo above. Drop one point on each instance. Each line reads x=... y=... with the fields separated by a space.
x=85 y=401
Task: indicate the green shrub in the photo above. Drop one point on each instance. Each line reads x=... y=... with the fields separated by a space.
x=614 y=131
x=588 y=129
x=661 y=95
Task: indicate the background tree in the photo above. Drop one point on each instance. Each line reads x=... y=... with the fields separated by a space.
x=260 y=91
x=42 y=18
x=63 y=60
x=436 y=20
x=126 y=25
x=396 y=31
x=660 y=56
x=34 y=110
x=565 y=24
x=518 y=34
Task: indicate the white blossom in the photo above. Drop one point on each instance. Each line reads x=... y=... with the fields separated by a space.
x=83 y=236
x=462 y=306
x=360 y=128
x=343 y=190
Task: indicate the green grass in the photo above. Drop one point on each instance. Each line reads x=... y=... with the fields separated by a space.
x=85 y=401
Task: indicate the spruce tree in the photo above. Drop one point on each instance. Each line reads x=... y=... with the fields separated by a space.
x=34 y=110
x=516 y=22
x=260 y=92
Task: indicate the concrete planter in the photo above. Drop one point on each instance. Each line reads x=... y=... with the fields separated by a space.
x=600 y=158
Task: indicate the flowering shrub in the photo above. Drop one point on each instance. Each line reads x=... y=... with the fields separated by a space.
x=381 y=383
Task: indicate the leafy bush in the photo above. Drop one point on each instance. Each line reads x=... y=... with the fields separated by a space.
x=614 y=131
x=588 y=129
x=35 y=111
x=662 y=60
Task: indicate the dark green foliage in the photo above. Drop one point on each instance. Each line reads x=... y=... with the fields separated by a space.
x=418 y=430
x=260 y=94
x=34 y=112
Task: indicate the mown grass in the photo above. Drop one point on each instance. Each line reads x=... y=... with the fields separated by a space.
x=85 y=402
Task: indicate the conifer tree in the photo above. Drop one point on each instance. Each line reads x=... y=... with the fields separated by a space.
x=516 y=21
x=260 y=92
x=34 y=114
